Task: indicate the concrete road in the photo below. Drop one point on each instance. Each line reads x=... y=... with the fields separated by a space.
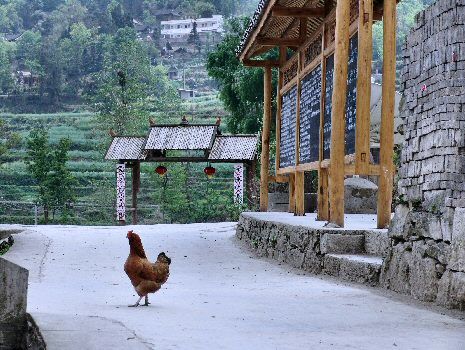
x=218 y=297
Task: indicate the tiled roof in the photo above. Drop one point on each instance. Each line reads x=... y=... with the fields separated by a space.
x=234 y=148
x=126 y=148
x=188 y=137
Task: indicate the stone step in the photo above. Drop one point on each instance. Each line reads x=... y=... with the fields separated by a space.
x=337 y=243
x=353 y=268
x=377 y=242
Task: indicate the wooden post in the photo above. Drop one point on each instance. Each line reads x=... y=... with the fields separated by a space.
x=135 y=190
x=291 y=193
x=299 y=193
x=341 y=58
x=265 y=157
x=322 y=195
x=323 y=204
x=299 y=176
x=365 y=57
x=282 y=60
x=387 y=115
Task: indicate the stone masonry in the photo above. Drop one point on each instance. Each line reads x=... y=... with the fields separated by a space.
x=427 y=254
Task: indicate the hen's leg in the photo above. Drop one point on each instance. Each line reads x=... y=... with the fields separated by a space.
x=146 y=300
x=137 y=303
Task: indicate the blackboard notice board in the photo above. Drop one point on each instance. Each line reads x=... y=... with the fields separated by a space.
x=351 y=113
x=351 y=104
x=310 y=98
x=287 y=153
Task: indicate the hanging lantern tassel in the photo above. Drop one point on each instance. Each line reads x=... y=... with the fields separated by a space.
x=161 y=170
x=209 y=171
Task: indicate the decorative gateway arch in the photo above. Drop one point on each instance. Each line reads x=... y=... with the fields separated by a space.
x=324 y=90
x=193 y=143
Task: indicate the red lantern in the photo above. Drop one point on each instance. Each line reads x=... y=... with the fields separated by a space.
x=161 y=170
x=209 y=171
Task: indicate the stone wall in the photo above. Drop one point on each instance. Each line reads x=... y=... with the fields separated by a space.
x=427 y=254
x=18 y=330
x=316 y=250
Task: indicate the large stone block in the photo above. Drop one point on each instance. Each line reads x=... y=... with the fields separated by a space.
x=395 y=272
x=360 y=196
x=13 y=294
x=342 y=243
x=451 y=291
x=423 y=276
x=457 y=255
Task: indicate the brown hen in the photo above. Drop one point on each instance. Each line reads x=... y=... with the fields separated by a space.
x=145 y=276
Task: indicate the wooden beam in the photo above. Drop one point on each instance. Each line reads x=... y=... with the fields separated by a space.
x=278 y=41
x=300 y=12
x=387 y=115
x=299 y=194
x=341 y=57
x=291 y=193
x=365 y=57
x=278 y=179
x=261 y=63
x=265 y=156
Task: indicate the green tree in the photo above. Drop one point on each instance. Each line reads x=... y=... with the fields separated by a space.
x=28 y=51
x=8 y=140
x=7 y=51
x=241 y=88
x=47 y=165
x=194 y=38
x=73 y=49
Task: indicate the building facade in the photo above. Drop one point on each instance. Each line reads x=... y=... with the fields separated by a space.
x=176 y=32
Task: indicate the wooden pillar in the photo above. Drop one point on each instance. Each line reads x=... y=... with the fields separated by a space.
x=299 y=193
x=341 y=58
x=239 y=183
x=282 y=60
x=265 y=157
x=291 y=193
x=387 y=115
x=323 y=203
x=365 y=57
x=135 y=190
x=121 y=193
x=322 y=193
x=299 y=176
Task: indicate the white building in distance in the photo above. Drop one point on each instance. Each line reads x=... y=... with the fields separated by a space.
x=176 y=32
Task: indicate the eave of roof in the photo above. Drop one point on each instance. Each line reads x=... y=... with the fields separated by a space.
x=262 y=17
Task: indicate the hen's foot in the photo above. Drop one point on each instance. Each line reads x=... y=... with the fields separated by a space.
x=146 y=302
x=137 y=303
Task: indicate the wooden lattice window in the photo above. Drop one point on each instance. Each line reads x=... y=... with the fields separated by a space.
x=312 y=51
x=291 y=71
